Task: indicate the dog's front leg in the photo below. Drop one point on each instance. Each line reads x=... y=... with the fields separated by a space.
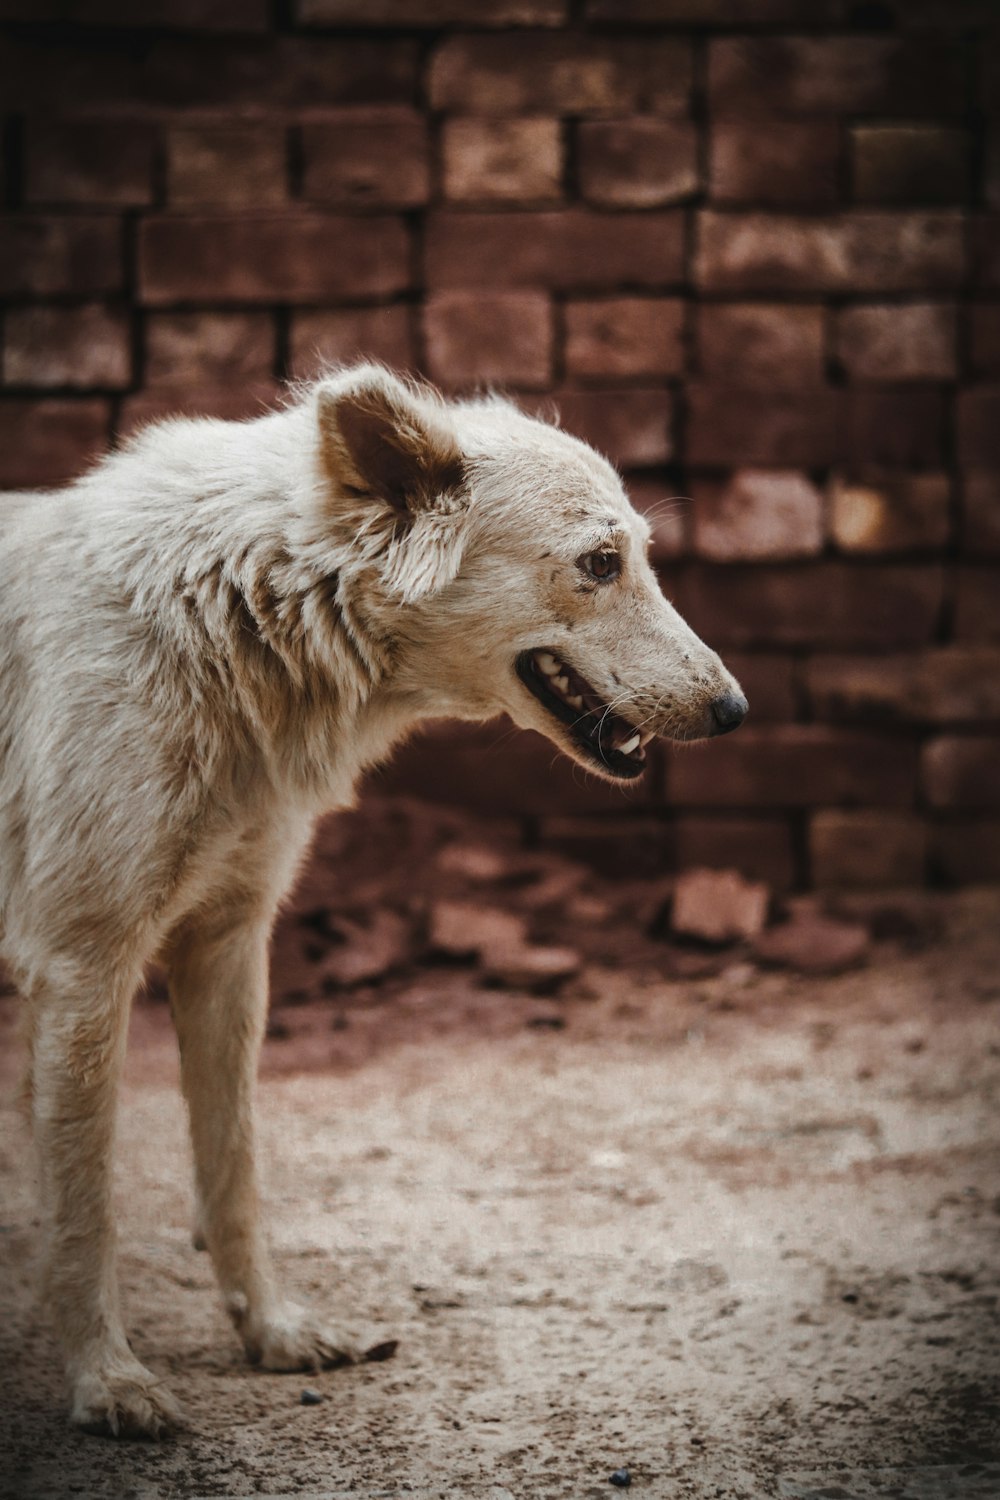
x=218 y=988
x=78 y=1032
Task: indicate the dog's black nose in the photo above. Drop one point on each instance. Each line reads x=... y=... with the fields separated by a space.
x=729 y=711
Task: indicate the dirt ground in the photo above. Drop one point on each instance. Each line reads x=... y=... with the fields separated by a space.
x=737 y=1232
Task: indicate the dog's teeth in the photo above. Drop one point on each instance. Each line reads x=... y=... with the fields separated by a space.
x=646 y=736
x=630 y=744
x=562 y=683
x=575 y=701
x=547 y=662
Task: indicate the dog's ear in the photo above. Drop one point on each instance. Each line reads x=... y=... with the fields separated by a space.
x=380 y=437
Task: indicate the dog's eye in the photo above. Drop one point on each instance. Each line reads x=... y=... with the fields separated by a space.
x=604 y=566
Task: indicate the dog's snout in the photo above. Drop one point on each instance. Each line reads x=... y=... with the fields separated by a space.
x=728 y=712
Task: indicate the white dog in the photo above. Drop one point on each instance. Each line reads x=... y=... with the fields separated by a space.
x=203 y=644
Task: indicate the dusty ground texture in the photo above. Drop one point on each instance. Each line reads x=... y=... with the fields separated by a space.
x=738 y=1232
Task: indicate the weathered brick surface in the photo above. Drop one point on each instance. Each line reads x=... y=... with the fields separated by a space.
x=501 y=161
x=867 y=849
x=335 y=336
x=750 y=425
x=977 y=604
x=910 y=164
x=872 y=510
x=892 y=341
x=821 y=604
x=539 y=73
x=961 y=771
x=185 y=348
x=781 y=345
x=625 y=336
x=758 y=513
x=44 y=256
x=89 y=162
x=637 y=163
x=953 y=685
x=66 y=346
x=227 y=166
x=749 y=248
x=912 y=251
x=776 y=163
x=245 y=259
x=797 y=765
x=834 y=75
x=46 y=443
x=364 y=157
x=565 y=250
x=482 y=338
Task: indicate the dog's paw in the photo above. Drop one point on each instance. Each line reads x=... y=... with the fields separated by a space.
x=293 y=1339
x=124 y=1401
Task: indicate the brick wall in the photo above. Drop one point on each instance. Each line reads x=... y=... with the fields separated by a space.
x=750 y=247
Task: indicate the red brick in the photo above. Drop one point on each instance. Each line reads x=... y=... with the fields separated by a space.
x=758 y=847
x=500 y=773
x=945 y=686
x=413 y=13
x=751 y=425
x=757 y=513
x=631 y=426
x=637 y=163
x=625 y=336
x=894 y=341
x=227 y=166
x=724 y=13
x=184 y=349
x=991 y=168
x=778 y=344
x=961 y=772
x=231 y=403
x=193 y=15
x=978 y=411
x=854 y=253
x=75 y=346
x=768 y=681
x=631 y=848
x=832 y=605
x=867 y=850
x=49 y=442
x=476 y=338
x=966 y=851
x=873 y=511
x=89 y=161
x=338 y=335
x=834 y=75
x=981 y=511
x=534 y=73
x=367 y=157
x=795 y=765
x=295 y=259
x=895 y=428
x=501 y=161
x=977 y=605
x=786 y=162
x=984 y=250
x=910 y=164
x=664 y=512
x=221 y=75
x=984 y=338
x=42 y=256
x=565 y=250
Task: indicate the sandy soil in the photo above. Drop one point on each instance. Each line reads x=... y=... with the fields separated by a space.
x=740 y=1234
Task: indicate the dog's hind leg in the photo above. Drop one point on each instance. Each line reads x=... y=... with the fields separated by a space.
x=79 y=1027
x=217 y=964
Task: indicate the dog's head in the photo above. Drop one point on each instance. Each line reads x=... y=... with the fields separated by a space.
x=503 y=560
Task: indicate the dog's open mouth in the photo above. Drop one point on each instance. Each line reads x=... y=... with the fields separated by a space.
x=610 y=741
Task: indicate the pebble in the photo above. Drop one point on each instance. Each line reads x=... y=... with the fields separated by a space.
x=311 y=1397
x=621 y=1477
